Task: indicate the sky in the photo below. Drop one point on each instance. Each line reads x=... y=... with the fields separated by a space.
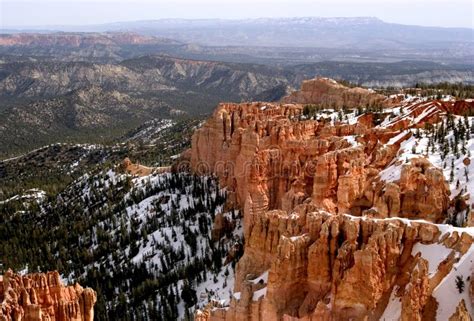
x=25 y=13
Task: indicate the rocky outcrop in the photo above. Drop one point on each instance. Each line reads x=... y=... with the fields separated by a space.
x=222 y=225
x=335 y=267
x=461 y=313
x=269 y=157
x=42 y=297
x=328 y=93
x=418 y=112
x=416 y=293
x=322 y=199
x=421 y=193
x=140 y=170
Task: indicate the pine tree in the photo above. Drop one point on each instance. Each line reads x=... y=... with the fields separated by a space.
x=451 y=175
x=460 y=284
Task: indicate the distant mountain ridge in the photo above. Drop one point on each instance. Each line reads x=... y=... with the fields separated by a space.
x=41 y=99
x=98 y=85
x=356 y=39
x=77 y=39
x=310 y=31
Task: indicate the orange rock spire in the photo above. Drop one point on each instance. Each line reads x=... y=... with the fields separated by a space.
x=43 y=297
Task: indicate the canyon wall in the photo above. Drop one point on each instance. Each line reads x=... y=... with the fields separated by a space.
x=43 y=297
x=328 y=205
x=269 y=158
x=328 y=93
x=339 y=267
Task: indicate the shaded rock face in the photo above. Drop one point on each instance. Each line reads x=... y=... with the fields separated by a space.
x=222 y=225
x=43 y=297
x=297 y=180
x=328 y=93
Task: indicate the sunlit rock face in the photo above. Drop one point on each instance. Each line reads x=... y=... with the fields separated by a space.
x=340 y=220
x=42 y=297
x=331 y=94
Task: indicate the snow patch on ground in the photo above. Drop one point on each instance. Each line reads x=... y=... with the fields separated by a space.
x=394 y=308
x=392 y=173
x=447 y=294
x=28 y=196
x=433 y=253
x=259 y=294
x=457 y=167
x=262 y=278
x=351 y=140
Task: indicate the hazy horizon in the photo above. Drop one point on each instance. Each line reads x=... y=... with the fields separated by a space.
x=57 y=13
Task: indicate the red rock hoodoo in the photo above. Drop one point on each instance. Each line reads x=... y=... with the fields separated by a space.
x=43 y=297
x=330 y=208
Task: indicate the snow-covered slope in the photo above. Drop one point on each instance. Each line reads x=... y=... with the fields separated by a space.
x=446 y=140
x=144 y=243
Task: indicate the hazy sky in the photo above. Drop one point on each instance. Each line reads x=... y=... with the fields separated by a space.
x=20 y=13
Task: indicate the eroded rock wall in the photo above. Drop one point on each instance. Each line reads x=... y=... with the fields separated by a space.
x=271 y=159
x=328 y=93
x=337 y=267
x=318 y=200
x=43 y=297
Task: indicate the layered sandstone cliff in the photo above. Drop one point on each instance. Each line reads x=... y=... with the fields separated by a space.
x=329 y=93
x=271 y=159
x=43 y=297
x=345 y=267
x=338 y=215
x=319 y=266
